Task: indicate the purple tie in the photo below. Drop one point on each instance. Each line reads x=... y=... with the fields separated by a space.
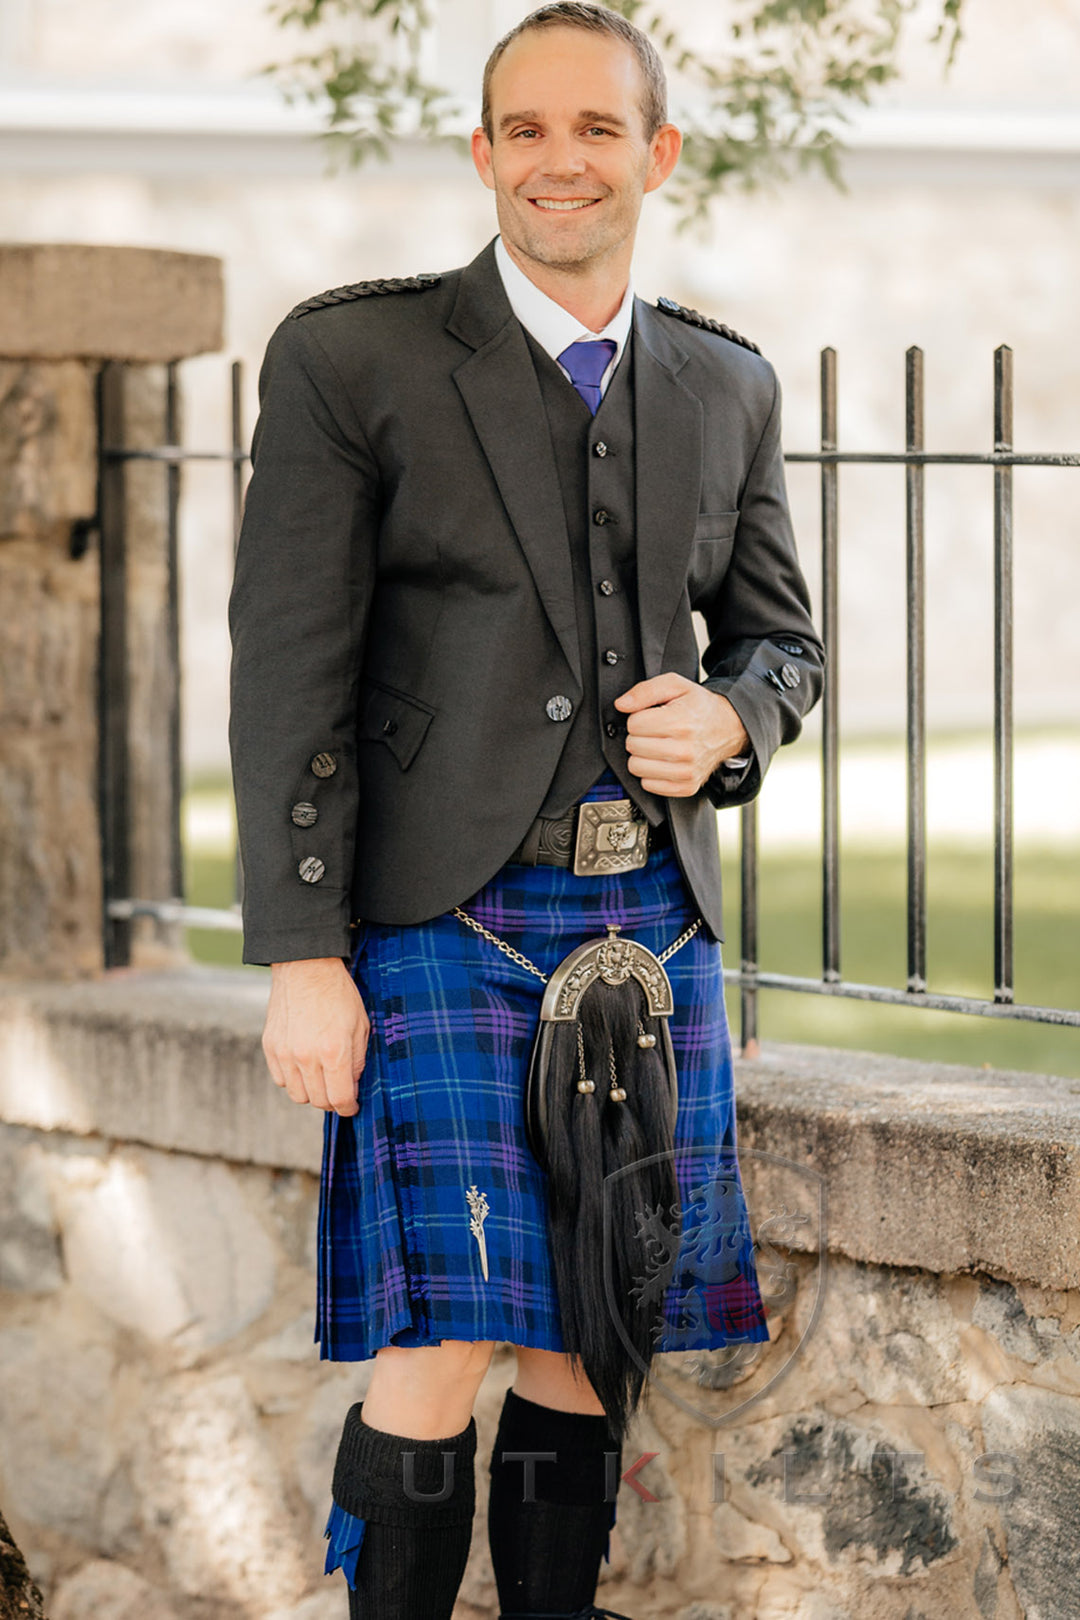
x=586 y=362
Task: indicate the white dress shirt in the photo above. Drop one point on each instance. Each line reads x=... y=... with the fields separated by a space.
x=553 y=327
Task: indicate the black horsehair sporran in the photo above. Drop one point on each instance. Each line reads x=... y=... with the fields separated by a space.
x=600 y=1106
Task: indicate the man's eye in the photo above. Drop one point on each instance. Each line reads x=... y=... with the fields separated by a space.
x=596 y=130
x=518 y=133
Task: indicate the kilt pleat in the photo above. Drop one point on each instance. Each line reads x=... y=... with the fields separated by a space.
x=441 y=1112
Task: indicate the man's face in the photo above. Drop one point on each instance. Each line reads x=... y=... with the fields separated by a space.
x=569 y=161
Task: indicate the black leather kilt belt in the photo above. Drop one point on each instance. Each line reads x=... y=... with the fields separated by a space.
x=596 y=836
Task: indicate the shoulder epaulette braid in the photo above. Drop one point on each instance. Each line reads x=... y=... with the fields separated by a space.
x=364 y=289
x=693 y=317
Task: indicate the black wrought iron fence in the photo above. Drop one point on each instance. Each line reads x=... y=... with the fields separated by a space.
x=751 y=978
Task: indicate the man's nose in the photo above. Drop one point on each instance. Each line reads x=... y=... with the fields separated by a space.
x=563 y=157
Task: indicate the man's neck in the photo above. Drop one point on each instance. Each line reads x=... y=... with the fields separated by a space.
x=593 y=295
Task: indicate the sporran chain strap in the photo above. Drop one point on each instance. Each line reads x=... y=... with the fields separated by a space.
x=531 y=967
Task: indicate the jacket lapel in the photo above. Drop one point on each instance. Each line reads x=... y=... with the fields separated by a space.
x=668 y=453
x=498 y=385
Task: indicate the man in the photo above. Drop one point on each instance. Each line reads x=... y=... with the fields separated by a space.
x=483 y=507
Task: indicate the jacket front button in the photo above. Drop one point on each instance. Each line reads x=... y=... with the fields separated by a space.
x=304 y=815
x=611 y=656
x=324 y=764
x=311 y=869
x=559 y=708
x=601 y=516
x=600 y=449
x=790 y=676
x=612 y=729
x=389 y=728
x=606 y=588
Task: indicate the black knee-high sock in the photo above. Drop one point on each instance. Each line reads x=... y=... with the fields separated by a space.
x=418 y=1515
x=546 y=1552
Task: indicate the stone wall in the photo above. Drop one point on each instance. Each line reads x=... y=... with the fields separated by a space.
x=907 y=1447
x=64 y=311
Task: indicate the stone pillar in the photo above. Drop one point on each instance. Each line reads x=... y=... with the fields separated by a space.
x=64 y=312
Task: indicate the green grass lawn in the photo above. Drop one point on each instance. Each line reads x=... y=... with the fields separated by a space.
x=873 y=951
x=959 y=954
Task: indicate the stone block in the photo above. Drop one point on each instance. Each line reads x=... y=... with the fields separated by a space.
x=165 y=1244
x=915 y=1156
x=843 y=1495
x=103 y=1590
x=1036 y=1434
x=29 y=1244
x=172 y=1059
x=742 y=1541
x=64 y=301
x=48 y=446
x=652 y=1534
x=212 y=1495
x=57 y=1443
x=999 y=1311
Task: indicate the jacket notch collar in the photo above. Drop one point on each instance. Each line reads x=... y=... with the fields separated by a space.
x=499 y=387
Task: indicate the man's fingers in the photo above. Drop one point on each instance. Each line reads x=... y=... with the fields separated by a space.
x=294 y=1082
x=659 y=745
x=677 y=772
x=658 y=689
x=340 y=1088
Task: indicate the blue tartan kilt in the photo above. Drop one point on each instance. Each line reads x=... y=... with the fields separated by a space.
x=437 y=1157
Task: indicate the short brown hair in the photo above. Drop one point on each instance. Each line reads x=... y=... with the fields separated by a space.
x=596 y=20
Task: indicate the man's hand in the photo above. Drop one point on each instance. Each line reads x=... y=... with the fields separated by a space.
x=678 y=733
x=316 y=1033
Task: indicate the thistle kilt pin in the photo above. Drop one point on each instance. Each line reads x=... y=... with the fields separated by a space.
x=449 y=568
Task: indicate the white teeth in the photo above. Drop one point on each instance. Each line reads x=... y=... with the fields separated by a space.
x=563 y=202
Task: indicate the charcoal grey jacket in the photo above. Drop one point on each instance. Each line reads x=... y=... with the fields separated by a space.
x=403 y=613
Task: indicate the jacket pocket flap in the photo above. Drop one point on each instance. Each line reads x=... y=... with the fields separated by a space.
x=716 y=525
x=392 y=717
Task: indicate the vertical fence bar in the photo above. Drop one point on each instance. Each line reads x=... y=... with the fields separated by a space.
x=830 y=729
x=1003 y=680
x=113 y=786
x=236 y=377
x=172 y=626
x=916 y=677
x=748 y=930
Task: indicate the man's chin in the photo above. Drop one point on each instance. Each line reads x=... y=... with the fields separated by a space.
x=561 y=255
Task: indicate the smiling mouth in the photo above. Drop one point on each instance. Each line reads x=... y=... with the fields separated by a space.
x=563 y=205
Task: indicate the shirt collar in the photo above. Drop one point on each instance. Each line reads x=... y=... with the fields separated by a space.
x=553 y=327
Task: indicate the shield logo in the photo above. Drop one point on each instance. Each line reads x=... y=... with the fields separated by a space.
x=737 y=1294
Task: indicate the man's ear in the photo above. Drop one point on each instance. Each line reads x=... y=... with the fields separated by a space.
x=664 y=152
x=481 y=156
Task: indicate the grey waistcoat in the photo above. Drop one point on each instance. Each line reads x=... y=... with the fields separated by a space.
x=594 y=457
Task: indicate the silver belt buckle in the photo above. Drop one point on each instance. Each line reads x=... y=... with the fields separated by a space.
x=610 y=838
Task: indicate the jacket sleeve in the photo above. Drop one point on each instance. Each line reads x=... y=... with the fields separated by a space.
x=763 y=653
x=297 y=616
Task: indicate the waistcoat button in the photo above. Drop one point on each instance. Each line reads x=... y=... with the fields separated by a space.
x=311 y=869
x=324 y=764
x=304 y=814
